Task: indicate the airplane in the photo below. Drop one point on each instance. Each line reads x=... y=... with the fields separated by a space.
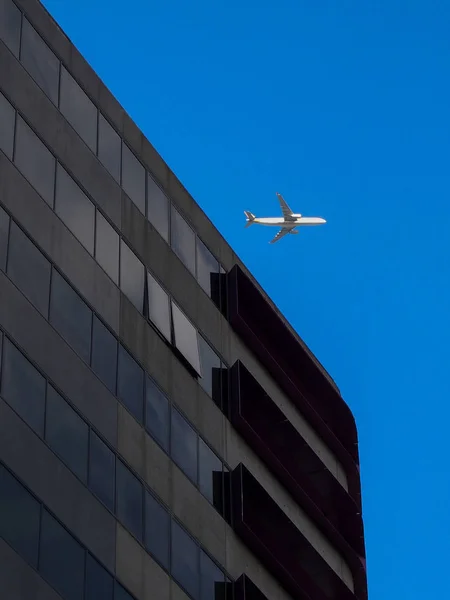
x=288 y=222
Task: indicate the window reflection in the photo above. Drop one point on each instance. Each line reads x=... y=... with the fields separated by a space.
x=182 y=239
x=99 y=583
x=78 y=109
x=185 y=560
x=4 y=235
x=183 y=445
x=158 y=306
x=102 y=467
x=133 y=178
x=186 y=339
x=210 y=474
x=157 y=414
x=211 y=371
x=157 y=530
x=130 y=384
x=40 y=61
x=207 y=270
x=132 y=275
x=157 y=208
x=107 y=247
x=129 y=500
x=10 y=18
x=109 y=147
x=7 y=118
x=104 y=355
x=212 y=579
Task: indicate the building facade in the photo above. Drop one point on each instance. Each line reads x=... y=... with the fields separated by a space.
x=164 y=433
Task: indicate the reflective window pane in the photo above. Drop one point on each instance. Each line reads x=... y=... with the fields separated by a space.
x=109 y=146
x=75 y=209
x=99 y=583
x=29 y=269
x=23 y=387
x=61 y=559
x=107 y=248
x=102 y=467
x=186 y=338
x=19 y=517
x=210 y=474
x=7 y=118
x=133 y=178
x=157 y=530
x=104 y=355
x=120 y=593
x=40 y=61
x=70 y=316
x=132 y=276
x=66 y=433
x=212 y=579
x=78 y=109
x=211 y=372
x=10 y=18
x=130 y=384
x=182 y=239
x=158 y=306
x=157 y=208
x=183 y=445
x=185 y=560
x=157 y=413
x=4 y=235
x=207 y=269
x=35 y=161
x=129 y=500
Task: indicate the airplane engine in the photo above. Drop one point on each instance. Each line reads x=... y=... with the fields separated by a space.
x=294 y=232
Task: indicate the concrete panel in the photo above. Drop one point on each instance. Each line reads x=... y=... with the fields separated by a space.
x=52 y=482
x=59 y=136
x=132 y=135
x=19 y=581
x=55 y=239
x=238 y=451
x=138 y=571
x=155 y=164
x=110 y=107
x=198 y=515
x=176 y=593
x=211 y=422
x=157 y=472
x=83 y=74
x=54 y=356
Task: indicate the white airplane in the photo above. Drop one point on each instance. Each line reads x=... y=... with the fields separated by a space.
x=288 y=222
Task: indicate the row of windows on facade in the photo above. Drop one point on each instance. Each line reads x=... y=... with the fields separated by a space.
x=112 y=363
x=137 y=283
x=103 y=140
x=51 y=417
x=36 y=535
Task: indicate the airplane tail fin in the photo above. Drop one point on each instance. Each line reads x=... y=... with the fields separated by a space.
x=250 y=218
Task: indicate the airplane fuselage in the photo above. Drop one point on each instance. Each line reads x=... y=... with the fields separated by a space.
x=280 y=222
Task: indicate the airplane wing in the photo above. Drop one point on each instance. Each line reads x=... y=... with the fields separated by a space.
x=283 y=231
x=287 y=212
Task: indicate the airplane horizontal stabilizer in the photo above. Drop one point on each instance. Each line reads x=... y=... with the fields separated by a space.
x=250 y=218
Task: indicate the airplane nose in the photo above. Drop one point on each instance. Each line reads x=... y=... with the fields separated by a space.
x=323 y=221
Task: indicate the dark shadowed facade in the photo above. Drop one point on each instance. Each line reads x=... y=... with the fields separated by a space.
x=164 y=433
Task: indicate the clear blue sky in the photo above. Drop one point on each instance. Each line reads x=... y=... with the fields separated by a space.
x=343 y=107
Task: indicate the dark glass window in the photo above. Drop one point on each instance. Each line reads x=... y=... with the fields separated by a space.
x=183 y=240
x=35 y=162
x=157 y=530
x=132 y=275
x=66 y=433
x=7 y=118
x=186 y=338
x=210 y=474
x=211 y=372
x=61 y=559
x=107 y=248
x=207 y=269
x=40 y=61
x=10 y=25
x=19 y=517
x=129 y=500
x=183 y=445
x=212 y=579
x=78 y=109
x=75 y=209
x=104 y=355
x=133 y=178
x=130 y=384
x=109 y=145
x=29 y=269
x=70 y=316
x=185 y=560
x=120 y=593
x=4 y=234
x=158 y=306
x=157 y=413
x=157 y=208
x=101 y=471
x=99 y=583
x=23 y=387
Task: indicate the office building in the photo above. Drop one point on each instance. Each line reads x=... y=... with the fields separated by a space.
x=164 y=432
